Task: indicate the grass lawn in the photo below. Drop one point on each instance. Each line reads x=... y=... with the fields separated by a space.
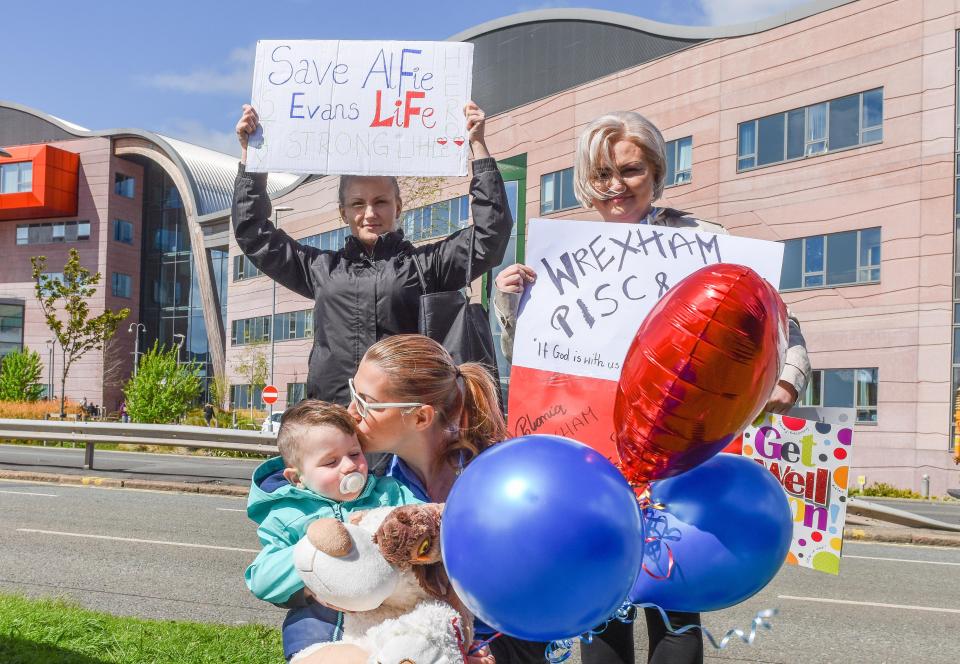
x=56 y=632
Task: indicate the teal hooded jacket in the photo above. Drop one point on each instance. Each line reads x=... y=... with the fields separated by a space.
x=283 y=512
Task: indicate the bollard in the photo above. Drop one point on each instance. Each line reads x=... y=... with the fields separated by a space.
x=925 y=485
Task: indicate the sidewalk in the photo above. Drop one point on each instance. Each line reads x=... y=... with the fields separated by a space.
x=863 y=529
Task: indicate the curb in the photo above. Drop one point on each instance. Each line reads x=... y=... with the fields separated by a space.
x=906 y=536
x=115 y=483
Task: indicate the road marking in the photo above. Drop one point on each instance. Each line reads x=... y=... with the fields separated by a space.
x=856 y=543
x=904 y=560
x=133 y=539
x=879 y=604
x=30 y=493
x=229 y=509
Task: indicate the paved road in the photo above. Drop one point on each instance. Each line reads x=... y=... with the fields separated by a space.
x=129 y=465
x=889 y=604
x=948 y=512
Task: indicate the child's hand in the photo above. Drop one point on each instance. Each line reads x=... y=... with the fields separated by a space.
x=482 y=656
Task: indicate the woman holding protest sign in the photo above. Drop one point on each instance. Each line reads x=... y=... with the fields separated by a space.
x=369 y=289
x=619 y=170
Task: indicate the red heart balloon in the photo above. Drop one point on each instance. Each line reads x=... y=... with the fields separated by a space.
x=699 y=370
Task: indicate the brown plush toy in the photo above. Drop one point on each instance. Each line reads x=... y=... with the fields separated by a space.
x=409 y=538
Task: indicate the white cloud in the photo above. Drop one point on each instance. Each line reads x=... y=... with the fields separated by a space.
x=730 y=12
x=232 y=77
x=192 y=131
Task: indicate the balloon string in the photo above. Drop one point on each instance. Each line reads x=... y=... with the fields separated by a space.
x=655 y=542
x=561 y=649
x=478 y=646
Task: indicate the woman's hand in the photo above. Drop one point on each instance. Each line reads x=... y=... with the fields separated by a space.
x=482 y=656
x=783 y=398
x=476 y=119
x=514 y=279
x=246 y=126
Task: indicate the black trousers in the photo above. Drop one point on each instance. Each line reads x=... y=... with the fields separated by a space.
x=614 y=645
x=511 y=650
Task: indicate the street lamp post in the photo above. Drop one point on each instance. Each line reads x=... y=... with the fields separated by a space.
x=136 y=344
x=179 y=345
x=273 y=310
x=51 y=344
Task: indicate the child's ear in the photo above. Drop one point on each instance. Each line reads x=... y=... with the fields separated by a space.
x=292 y=476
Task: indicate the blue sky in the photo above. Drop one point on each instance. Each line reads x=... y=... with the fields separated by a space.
x=183 y=68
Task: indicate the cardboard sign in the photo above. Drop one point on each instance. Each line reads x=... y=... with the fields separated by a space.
x=596 y=282
x=808 y=451
x=361 y=107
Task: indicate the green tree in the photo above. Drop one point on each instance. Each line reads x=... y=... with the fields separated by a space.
x=76 y=331
x=163 y=388
x=253 y=368
x=20 y=376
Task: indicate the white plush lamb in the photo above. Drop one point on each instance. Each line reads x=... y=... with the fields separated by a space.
x=386 y=574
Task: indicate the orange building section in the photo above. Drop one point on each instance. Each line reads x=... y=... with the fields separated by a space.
x=55 y=182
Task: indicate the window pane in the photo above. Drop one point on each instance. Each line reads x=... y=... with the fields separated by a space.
x=838 y=388
x=567 y=197
x=546 y=193
x=816 y=129
x=9 y=180
x=844 y=122
x=873 y=108
x=83 y=230
x=956 y=345
x=842 y=258
x=684 y=160
x=746 y=142
x=23 y=234
x=795 y=135
x=814 y=254
x=671 y=163
x=872 y=135
x=791 y=276
x=870 y=247
x=770 y=146
x=746 y=162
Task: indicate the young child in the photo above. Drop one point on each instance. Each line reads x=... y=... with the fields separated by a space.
x=321 y=472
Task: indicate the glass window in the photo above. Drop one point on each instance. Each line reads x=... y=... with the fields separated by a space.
x=871 y=121
x=679 y=161
x=11 y=328
x=556 y=191
x=816 y=133
x=16 y=177
x=747 y=145
x=866 y=399
x=813 y=395
x=122 y=284
x=844 y=122
x=296 y=392
x=123 y=231
x=868 y=262
x=813 y=261
x=124 y=185
x=838 y=388
x=23 y=234
x=842 y=258
x=771 y=139
x=796 y=140
x=792 y=275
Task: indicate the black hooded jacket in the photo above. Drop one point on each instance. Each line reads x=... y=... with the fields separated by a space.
x=360 y=298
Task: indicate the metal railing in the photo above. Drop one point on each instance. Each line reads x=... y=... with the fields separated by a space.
x=172 y=435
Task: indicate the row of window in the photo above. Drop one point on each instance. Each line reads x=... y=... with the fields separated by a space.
x=63 y=231
x=436 y=220
x=836 y=259
x=16 y=177
x=11 y=328
x=844 y=388
x=328 y=240
x=290 y=325
x=805 y=132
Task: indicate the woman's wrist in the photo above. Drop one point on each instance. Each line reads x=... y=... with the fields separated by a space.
x=479 y=150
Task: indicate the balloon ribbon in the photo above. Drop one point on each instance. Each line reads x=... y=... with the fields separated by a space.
x=659 y=532
x=560 y=650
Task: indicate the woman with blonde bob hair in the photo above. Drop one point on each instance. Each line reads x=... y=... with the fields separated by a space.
x=619 y=170
x=411 y=399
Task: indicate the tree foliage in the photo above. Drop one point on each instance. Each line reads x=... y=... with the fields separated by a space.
x=20 y=376
x=163 y=389
x=253 y=368
x=65 y=306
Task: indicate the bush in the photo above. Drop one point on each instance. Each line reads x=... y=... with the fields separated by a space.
x=884 y=490
x=20 y=376
x=34 y=410
x=163 y=388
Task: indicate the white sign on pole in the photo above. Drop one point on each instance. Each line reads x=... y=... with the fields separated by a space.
x=361 y=107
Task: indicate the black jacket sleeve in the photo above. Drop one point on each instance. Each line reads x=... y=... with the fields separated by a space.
x=273 y=251
x=492 y=222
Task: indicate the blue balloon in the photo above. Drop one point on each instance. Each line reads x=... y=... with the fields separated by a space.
x=542 y=537
x=727 y=526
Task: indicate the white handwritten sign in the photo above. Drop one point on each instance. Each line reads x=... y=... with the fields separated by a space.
x=596 y=282
x=361 y=107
